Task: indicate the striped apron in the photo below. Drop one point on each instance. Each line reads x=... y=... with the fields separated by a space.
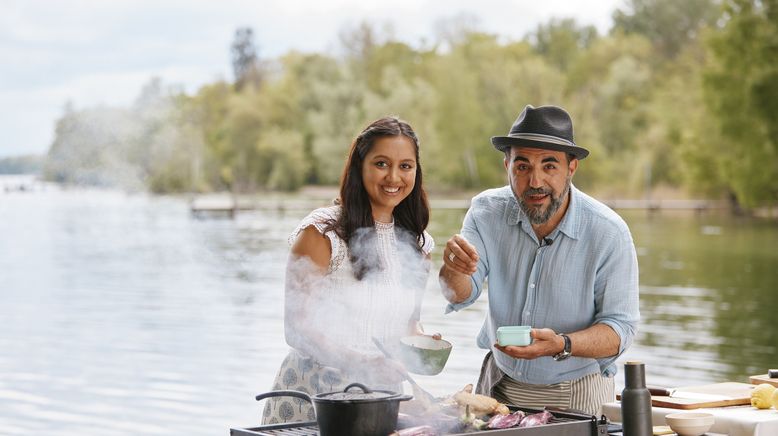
x=586 y=394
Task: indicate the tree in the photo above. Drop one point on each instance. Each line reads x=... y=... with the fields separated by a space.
x=481 y=86
x=741 y=91
x=91 y=147
x=561 y=41
x=245 y=62
x=669 y=24
x=608 y=90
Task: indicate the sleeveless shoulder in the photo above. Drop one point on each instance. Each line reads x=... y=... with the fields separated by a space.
x=320 y=219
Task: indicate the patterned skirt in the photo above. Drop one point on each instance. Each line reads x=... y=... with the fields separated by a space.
x=302 y=373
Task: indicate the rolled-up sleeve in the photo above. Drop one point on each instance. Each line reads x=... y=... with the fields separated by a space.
x=616 y=293
x=471 y=232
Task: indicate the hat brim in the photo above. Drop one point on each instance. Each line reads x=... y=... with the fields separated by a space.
x=504 y=143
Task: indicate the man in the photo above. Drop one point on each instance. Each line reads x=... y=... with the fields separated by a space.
x=555 y=259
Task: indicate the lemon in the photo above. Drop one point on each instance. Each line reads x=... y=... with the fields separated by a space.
x=763 y=396
x=775 y=399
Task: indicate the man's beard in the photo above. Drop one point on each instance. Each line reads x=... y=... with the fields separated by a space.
x=537 y=215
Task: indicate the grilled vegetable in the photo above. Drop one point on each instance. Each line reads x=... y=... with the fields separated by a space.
x=422 y=430
x=536 y=419
x=478 y=424
x=467 y=417
x=479 y=404
x=506 y=421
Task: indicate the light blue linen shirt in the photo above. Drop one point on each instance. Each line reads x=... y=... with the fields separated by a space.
x=587 y=275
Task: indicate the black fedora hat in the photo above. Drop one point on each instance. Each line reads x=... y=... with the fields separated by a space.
x=547 y=127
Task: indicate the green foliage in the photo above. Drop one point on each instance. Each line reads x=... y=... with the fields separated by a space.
x=281 y=159
x=740 y=91
x=654 y=101
x=562 y=41
x=668 y=24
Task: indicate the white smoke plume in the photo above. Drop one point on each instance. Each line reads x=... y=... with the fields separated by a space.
x=333 y=320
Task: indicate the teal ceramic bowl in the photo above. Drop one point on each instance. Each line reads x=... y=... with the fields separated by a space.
x=514 y=335
x=424 y=355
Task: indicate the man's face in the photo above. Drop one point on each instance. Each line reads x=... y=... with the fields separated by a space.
x=540 y=180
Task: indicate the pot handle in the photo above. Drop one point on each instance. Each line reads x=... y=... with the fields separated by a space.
x=297 y=394
x=364 y=388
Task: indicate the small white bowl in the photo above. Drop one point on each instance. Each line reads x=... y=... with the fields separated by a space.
x=690 y=423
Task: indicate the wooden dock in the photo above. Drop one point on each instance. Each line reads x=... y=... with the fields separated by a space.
x=213 y=205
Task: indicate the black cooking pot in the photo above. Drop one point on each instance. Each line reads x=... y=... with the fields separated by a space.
x=344 y=413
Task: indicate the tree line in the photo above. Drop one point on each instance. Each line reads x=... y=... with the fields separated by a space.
x=675 y=94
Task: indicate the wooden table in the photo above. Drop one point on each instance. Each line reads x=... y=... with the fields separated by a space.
x=733 y=420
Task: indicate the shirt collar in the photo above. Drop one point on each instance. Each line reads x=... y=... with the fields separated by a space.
x=569 y=224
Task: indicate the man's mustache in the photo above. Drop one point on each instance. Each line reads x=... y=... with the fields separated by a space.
x=537 y=191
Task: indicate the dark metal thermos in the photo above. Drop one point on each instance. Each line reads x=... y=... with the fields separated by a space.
x=636 y=401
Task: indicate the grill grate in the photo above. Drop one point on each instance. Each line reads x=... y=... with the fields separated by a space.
x=293 y=429
x=562 y=424
x=304 y=431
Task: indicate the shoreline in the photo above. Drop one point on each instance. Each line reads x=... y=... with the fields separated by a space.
x=661 y=199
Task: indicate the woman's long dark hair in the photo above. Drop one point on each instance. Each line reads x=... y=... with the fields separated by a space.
x=412 y=214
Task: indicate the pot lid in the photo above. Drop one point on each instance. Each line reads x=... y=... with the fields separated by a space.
x=349 y=394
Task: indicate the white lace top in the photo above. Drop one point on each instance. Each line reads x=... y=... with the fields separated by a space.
x=350 y=311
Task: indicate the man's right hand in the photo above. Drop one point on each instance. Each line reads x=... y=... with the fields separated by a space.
x=460 y=255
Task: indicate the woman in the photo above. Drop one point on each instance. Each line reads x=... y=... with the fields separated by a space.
x=357 y=271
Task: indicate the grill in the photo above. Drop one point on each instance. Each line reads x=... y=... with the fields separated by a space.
x=562 y=424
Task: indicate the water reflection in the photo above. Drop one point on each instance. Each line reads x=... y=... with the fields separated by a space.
x=123 y=315
x=707 y=296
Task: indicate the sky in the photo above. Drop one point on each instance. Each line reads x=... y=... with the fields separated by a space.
x=95 y=53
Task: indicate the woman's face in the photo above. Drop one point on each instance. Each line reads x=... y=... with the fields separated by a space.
x=389 y=174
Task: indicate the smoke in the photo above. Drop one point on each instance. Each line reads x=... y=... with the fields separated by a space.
x=333 y=317
x=127 y=148
x=447 y=292
x=363 y=253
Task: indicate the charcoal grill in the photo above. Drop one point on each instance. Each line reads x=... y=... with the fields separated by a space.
x=564 y=423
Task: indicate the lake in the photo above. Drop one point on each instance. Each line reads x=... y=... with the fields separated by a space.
x=122 y=314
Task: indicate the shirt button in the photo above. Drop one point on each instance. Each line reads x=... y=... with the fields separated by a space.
x=532 y=286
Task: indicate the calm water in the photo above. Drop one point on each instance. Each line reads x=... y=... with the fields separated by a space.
x=120 y=314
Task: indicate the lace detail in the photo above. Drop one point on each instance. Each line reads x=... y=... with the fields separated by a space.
x=320 y=219
x=379 y=226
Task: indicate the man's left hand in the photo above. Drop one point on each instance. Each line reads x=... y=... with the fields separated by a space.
x=545 y=342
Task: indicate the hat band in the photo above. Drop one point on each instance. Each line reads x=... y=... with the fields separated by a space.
x=542 y=138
